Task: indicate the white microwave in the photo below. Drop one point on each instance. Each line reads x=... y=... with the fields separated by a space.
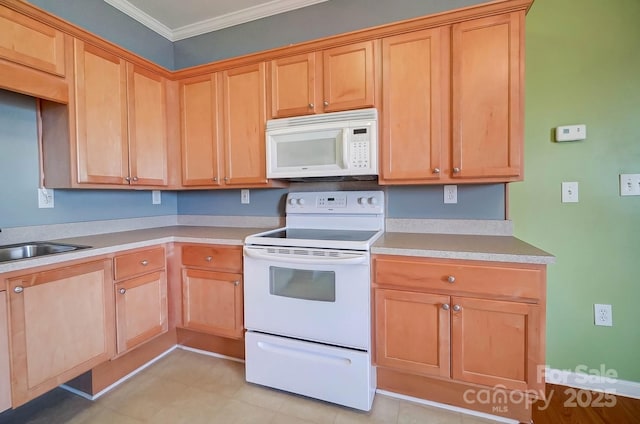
x=338 y=144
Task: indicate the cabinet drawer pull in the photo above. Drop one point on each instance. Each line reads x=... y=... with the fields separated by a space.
x=236 y=283
x=457 y=308
x=18 y=289
x=122 y=290
x=144 y=262
x=456 y=170
x=451 y=279
x=436 y=170
x=208 y=258
x=445 y=306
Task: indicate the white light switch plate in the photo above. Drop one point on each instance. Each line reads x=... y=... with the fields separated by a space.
x=570 y=192
x=156 y=197
x=45 y=198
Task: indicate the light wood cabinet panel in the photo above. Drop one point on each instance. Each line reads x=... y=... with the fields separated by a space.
x=31 y=43
x=496 y=343
x=61 y=326
x=101 y=116
x=487 y=85
x=415 y=94
x=412 y=331
x=5 y=372
x=147 y=120
x=219 y=258
x=244 y=125
x=200 y=130
x=138 y=262
x=349 y=77
x=212 y=302
x=141 y=310
x=295 y=85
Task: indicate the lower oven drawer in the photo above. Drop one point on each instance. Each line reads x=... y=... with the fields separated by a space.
x=332 y=374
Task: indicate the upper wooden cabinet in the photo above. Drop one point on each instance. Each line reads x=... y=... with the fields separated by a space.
x=487 y=93
x=415 y=69
x=481 y=139
x=223 y=122
x=114 y=131
x=335 y=79
x=29 y=42
x=32 y=57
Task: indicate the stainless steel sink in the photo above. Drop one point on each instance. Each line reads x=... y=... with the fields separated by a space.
x=32 y=249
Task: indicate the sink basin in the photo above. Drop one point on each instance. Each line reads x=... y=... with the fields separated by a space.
x=33 y=249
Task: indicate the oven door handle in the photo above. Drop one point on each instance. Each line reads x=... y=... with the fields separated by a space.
x=315 y=260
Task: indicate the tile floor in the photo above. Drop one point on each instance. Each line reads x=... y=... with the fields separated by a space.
x=187 y=387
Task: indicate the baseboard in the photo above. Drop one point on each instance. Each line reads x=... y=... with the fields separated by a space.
x=447 y=407
x=207 y=353
x=594 y=382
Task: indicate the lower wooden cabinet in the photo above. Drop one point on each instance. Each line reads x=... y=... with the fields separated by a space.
x=5 y=372
x=141 y=297
x=459 y=325
x=212 y=290
x=61 y=325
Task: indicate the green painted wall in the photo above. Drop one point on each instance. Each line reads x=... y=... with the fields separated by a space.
x=583 y=66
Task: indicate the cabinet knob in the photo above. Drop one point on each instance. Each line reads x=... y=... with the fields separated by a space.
x=208 y=258
x=457 y=308
x=451 y=279
x=236 y=283
x=122 y=291
x=436 y=170
x=215 y=179
x=226 y=179
x=127 y=179
x=445 y=306
x=18 y=289
x=456 y=170
x=326 y=103
x=135 y=179
x=144 y=262
x=311 y=105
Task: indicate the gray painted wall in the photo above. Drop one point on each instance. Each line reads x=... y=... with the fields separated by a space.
x=317 y=21
x=104 y=20
x=19 y=179
x=18 y=143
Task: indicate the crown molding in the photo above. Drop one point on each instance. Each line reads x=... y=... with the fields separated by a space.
x=271 y=8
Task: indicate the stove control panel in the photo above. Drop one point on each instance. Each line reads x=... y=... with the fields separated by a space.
x=343 y=202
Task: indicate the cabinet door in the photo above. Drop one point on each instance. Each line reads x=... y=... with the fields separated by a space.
x=294 y=85
x=141 y=309
x=414 y=68
x=200 y=131
x=147 y=119
x=61 y=326
x=101 y=116
x=488 y=65
x=31 y=43
x=412 y=331
x=212 y=302
x=244 y=122
x=349 y=77
x=496 y=343
x=5 y=373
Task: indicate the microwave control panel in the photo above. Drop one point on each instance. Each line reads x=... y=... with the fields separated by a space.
x=359 y=154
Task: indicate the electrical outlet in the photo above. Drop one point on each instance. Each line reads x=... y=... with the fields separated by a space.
x=244 y=197
x=602 y=315
x=45 y=197
x=156 y=197
x=629 y=184
x=570 y=192
x=451 y=194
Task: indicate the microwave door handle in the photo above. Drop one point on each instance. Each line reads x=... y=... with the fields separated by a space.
x=345 y=149
x=316 y=260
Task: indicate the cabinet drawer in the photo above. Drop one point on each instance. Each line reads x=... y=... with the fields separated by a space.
x=222 y=258
x=138 y=262
x=509 y=281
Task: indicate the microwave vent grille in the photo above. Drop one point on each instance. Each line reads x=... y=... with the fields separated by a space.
x=370 y=114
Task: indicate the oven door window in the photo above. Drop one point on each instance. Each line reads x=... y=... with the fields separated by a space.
x=302 y=284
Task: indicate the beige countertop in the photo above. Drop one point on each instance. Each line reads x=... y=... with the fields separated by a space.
x=452 y=246
x=459 y=246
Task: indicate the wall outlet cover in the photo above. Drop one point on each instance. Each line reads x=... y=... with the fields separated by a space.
x=45 y=198
x=451 y=193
